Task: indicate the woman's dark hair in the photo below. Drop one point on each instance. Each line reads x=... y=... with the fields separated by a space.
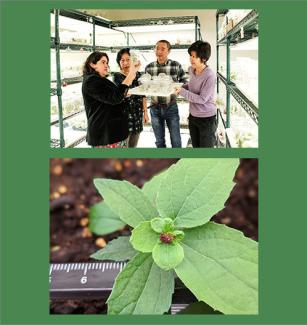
x=93 y=58
x=202 y=49
x=121 y=53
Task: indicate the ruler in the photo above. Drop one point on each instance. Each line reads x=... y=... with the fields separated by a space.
x=96 y=280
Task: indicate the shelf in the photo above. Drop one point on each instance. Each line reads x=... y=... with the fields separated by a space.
x=87 y=47
x=76 y=47
x=65 y=82
x=220 y=118
x=53 y=91
x=74 y=129
x=78 y=15
x=67 y=117
x=76 y=142
x=152 y=47
x=250 y=26
x=155 y=21
x=248 y=106
x=55 y=143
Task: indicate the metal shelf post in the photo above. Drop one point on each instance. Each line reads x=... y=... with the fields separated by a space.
x=94 y=36
x=58 y=71
x=217 y=54
x=228 y=81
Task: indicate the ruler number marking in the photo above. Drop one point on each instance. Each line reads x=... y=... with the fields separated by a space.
x=83 y=280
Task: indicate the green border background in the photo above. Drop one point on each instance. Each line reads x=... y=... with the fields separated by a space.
x=25 y=162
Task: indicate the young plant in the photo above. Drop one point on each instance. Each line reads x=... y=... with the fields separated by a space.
x=172 y=235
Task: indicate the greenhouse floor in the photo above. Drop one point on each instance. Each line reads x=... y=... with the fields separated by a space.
x=147 y=139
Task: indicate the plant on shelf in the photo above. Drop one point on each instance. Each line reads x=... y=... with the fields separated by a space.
x=233 y=76
x=173 y=235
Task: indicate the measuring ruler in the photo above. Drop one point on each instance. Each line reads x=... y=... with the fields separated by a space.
x=96 y=280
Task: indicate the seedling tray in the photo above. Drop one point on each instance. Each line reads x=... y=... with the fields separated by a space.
x=140 y=91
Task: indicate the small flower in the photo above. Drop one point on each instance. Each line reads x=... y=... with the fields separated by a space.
x=166 y=238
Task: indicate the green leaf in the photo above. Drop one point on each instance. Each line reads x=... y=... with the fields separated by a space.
x=118 y=249
x=141 y=288
x=103 y=220
x=126 y=200
x=195 y=189
x=220 y=267
x=151 y=188
x=168 y=256
x=162 y=225
x=179 y=235
x=143 y=238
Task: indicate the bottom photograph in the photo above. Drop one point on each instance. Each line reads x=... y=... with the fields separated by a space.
x=154 y=236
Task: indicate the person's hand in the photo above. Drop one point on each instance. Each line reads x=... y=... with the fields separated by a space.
x=137 y=65
x=134 y=68
x=146 y=117
x=177 y=90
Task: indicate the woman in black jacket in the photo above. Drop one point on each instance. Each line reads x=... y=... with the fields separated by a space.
x=103 y=102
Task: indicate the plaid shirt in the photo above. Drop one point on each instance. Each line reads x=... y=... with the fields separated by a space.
x=172 y=68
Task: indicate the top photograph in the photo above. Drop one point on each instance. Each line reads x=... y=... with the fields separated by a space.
x=154 y=78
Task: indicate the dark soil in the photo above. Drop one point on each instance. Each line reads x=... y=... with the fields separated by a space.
x=72 y=193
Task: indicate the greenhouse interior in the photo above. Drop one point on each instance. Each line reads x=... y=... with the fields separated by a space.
x=233 y=35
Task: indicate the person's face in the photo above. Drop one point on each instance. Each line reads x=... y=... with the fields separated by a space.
x=162 y=52
x=125 y=62
x=195 y=61
x=101 y=67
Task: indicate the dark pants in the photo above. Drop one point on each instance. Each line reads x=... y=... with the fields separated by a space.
x=160 y=115
x=202 y=131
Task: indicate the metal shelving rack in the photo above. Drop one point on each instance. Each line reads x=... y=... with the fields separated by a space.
x=97 y=21
x=244 y=30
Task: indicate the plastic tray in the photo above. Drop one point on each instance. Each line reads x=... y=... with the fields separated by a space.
x=139 y=91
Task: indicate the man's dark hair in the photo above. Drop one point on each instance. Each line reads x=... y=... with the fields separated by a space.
x=121 y=53
x=202 y=49
x=93 y=58
x=166 y=42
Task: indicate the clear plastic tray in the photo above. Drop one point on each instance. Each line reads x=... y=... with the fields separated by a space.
x=152 y=92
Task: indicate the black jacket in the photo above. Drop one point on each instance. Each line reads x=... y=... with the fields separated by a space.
x=103 y=102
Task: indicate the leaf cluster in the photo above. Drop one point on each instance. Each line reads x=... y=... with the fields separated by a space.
x=173 y=236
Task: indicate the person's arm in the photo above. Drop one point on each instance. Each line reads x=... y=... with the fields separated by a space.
x=131 y=74
x=182 y=77
x=146 y=118
x=105 y=91
x=206 y=91
x=118 y=79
